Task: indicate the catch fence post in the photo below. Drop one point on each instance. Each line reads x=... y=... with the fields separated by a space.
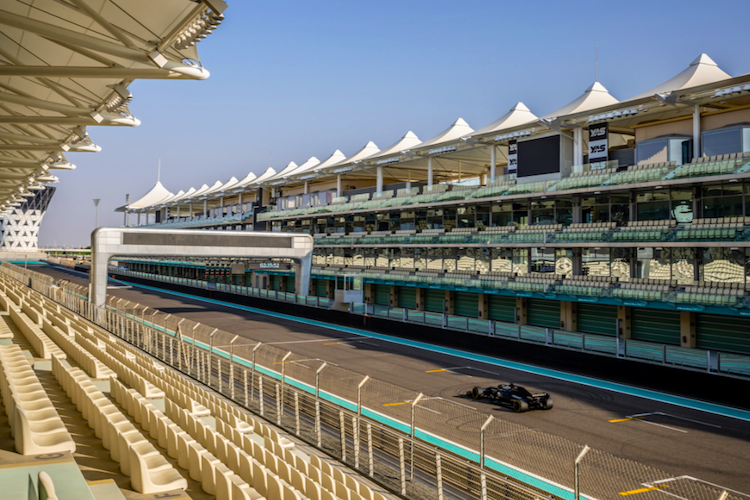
x=317 y=402
x=413 y=424
x=355 y=429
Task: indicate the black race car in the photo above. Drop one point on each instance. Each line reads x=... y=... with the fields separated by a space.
x=513 y=396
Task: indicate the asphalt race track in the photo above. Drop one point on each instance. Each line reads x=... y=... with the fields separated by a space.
x=679 y=440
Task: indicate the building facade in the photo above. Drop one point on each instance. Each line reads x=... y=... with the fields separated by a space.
x=20 y=226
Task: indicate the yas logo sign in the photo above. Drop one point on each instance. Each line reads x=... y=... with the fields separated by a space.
x=598 y=143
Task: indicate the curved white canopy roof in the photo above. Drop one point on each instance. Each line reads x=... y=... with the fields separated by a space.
x=518 y=115
x=336 y=158
x=66 y=67
x=170 y=199
x=153 y=197
x=268 y=174
x=458 y=129
x=198 y=193
x=190 y=192
x=702 y=70
x=290 y=167
x=367 y=150
x=408 y=141
x=596 y=96
x=312 y=162
x=230 y=184
x=216 y=186
x=246 y=180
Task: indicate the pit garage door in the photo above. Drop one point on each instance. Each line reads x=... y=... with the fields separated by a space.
x=382 y=294
x=723 y=333
x=597 y=318
x=655 y=325
x=544 y=313
x=466 y=304
x=407 y=297
x=502 y=308
x=434 y=300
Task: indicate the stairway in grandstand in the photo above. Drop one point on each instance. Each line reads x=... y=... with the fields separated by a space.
x=87 y=416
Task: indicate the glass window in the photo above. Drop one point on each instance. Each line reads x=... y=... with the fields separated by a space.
x=465 y=216
x=620 y=263
x=543 y=260
x=434 y=259
x=595 y=262
x=719 y=142
x=465 y=259
x=725 y=265
x=651 y=151
x=502 y=214
x=502 y=260
x=407 y=258
x=520 y=261
x=482 y=260
x=564 y=261
x=449 y=259
x=653 y=263
x=420 y=258
x=435 y=219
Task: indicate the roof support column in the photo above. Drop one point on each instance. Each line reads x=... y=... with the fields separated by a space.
x=696 y=131
x=205 y=208
x=221 y=202
x=380 y=180
x=338 y=186
x=305 y=192
x=493 y=163
x=191 y=209
x=139 y=218
x=178 y=212
x=125 y=219
x=578 y=146
x=429 y=171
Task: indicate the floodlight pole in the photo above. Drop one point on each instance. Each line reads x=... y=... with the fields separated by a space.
x=96 y=204
x=577 y=492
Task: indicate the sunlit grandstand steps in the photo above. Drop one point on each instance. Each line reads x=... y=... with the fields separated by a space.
x=90 y=417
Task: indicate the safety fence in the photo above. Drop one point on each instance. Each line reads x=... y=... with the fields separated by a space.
x=421 y=447
x=717 y=362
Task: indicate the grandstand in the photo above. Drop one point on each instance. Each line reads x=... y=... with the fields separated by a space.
x=565 y=221
x=71 y=390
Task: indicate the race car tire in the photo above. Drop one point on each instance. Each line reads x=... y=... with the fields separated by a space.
x=548 y=404
x=520 y=406
x=476 y=393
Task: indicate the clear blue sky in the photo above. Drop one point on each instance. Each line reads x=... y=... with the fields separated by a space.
x=295 y=79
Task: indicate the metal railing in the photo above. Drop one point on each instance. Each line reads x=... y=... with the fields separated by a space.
x=690 y=358
x=420 y=447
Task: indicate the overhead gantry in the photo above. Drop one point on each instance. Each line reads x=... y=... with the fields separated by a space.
x=107 y=243
x=65 y=66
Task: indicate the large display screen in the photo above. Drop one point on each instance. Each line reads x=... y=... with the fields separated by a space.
x=539 y=156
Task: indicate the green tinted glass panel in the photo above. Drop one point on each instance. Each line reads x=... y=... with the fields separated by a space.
x=321 y=288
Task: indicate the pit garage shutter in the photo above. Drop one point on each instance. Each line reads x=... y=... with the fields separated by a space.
x=655 y=325
x=466 y=304
x=434 y=300
x=407 y=297
x=289 y=284
x=723 y=333
x=502 y=308
x=276 y=282
x=544 y=313
x=597 y=318
x=321 y=288
x=382 y=294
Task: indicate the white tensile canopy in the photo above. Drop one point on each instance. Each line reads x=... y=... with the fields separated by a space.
x=66 y=67
x=367 y=150
x=596 y=96
x=216 y=186
x=268 y=174
x=311 y=162
x=335 y=158
x=517 y=116
x=407 y=142
x=190 y=192
x=154 y=196
x=702 y=70
x=458 y=129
